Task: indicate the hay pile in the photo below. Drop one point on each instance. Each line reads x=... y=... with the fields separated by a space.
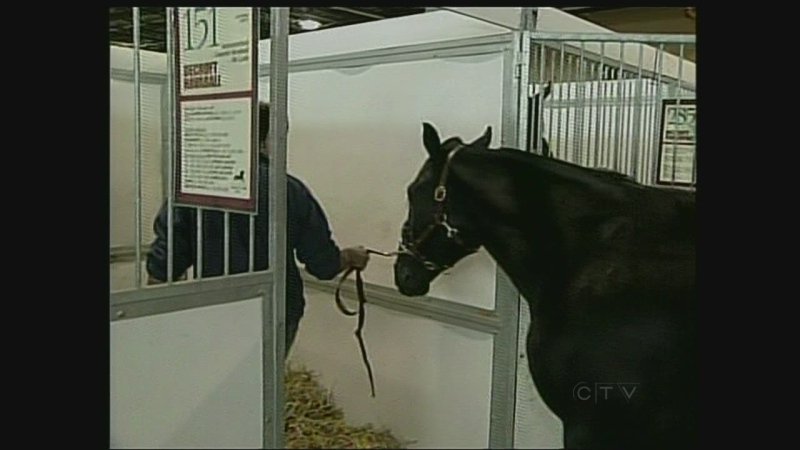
x=314 y=421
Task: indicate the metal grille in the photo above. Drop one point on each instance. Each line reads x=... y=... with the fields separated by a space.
x=142 y=176
x=601 y=102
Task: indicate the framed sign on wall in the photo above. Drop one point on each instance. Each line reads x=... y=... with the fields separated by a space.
x=677 y=144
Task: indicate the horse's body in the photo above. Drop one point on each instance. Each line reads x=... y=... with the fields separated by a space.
x=606 y=265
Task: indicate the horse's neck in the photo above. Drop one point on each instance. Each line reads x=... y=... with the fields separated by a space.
x=506 y=223
x=510 y=249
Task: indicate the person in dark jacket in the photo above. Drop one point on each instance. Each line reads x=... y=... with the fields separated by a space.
x=308 y=238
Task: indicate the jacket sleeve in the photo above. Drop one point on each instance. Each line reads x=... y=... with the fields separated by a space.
x=316 y=248
x=182 y=244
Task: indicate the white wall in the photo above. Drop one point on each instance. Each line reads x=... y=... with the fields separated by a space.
x=356 y=141
x=432 y=380
x=355 y=138
x=606 y=123
x=188 y=379
x=122 y=149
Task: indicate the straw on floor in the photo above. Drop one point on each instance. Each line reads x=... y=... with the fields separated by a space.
x=314 y=421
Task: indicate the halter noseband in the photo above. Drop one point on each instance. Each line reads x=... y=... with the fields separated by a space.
x=439 y=219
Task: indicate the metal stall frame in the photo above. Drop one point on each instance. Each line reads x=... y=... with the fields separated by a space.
x=674 y=84
x=669 y=85
x=503 y=321
x=269 y=285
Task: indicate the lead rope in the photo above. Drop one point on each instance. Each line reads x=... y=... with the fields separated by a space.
x=362 y=300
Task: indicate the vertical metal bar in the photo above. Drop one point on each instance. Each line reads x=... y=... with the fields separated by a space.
x=620 y=100
x=552 y=95
x=581 y=92
x=524 y=63
x=595 y=113
x=659 y=96
x=164 y=116
x=609 y=108
x=625 y=143
x=251 y=258
x=601 y=111
x=137 y=142
x=227 y=245
x=650 y=133
x=502 y=414
x=562 y=141
x=274 y=308
x=678 y=96
x=171 y=89
x=636 y=146
x=199 y=252
x=694 y=152
x=568 y=123
x=540 y=112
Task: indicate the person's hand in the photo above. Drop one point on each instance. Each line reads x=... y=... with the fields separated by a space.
x=354 y=258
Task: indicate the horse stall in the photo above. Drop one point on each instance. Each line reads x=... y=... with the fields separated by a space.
x=443 y=364
x=622 y=102
x=450 y=368
x=192 y=362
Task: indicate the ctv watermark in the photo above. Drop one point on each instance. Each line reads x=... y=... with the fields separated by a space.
x=599 y=392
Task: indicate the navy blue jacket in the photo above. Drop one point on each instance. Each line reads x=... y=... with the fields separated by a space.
x=309 y=238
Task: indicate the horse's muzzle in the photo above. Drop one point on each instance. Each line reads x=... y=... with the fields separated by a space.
x=410 y=277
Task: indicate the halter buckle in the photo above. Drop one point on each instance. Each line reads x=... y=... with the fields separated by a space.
x=440 y=193
x=451 y=232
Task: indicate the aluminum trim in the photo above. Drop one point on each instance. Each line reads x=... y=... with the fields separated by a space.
x=638 y=38
x=165 y=292
x=144 y=77
x=504 y=355
x=186 y=301
x=416 y=52
x=445 y=311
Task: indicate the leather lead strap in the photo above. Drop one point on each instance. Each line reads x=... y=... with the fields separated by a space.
x=362 y=300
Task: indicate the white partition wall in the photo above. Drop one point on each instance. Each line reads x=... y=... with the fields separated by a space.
x=194 y=364
x=355 y=140
x=450 y=368
x=164 y=393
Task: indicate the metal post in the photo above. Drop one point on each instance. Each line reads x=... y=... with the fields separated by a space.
x=137 y=142
x=171 y=92
x=274 y=306
x=507 y=299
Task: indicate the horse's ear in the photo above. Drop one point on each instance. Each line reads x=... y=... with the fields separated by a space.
x=485 y=140
x=548 y=88
x=431 y=140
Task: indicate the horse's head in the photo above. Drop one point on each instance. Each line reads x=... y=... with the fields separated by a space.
x=436 y=234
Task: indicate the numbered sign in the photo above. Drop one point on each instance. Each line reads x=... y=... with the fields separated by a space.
x=677 y=143
x=215 y=60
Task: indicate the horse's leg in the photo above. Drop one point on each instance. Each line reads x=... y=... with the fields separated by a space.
x=592 y=433
x=578 y=434
x=646 y=431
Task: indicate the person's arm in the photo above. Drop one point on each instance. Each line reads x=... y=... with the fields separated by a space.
x=315 y=247
x=182 y=246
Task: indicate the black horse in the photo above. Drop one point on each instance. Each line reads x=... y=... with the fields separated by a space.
x=607 y=266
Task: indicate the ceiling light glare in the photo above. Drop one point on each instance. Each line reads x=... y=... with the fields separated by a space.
x=309 y=24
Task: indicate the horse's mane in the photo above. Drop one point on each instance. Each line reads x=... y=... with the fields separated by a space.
x=575 y=172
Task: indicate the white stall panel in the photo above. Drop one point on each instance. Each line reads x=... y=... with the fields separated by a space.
x=355 y=138
x=417 y=29
x=535 y=426
x=188 y=379
x=432 y=380
x=609 y=124
x=122 y=275
x=122 y=161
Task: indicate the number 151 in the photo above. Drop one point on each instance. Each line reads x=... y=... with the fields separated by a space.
x=194 y=20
